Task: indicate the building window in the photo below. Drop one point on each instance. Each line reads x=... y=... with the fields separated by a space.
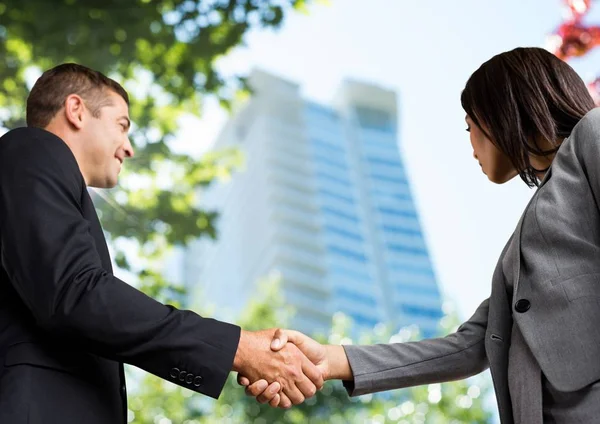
x=422 y=311
x=385 y=162
x=347 y=253
x=399 y=230
x=329 y=193
x=323 y=176
x=397 y=212
x=406 y=249
x=355 y=297
x=326 y=146
x=328 y=160
x=374 y=118
x=321 y=111
x=358 y=276
x=343 y=233
x=388 y=179
x=403 y=289
x=339 y=214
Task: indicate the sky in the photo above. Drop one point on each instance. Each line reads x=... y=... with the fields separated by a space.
x=424 y=50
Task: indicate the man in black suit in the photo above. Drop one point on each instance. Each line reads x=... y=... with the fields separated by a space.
x=67 y=324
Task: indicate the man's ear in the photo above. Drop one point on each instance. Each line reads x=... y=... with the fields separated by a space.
x=74 y=110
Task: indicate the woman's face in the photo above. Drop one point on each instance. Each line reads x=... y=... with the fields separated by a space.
x=494 y=164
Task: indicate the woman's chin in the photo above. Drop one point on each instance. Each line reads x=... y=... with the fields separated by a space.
x=500 y=179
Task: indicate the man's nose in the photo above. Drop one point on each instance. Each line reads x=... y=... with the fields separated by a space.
x=128 y=149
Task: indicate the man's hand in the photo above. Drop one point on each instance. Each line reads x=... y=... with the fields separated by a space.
x=297 y=377
x=313 y=350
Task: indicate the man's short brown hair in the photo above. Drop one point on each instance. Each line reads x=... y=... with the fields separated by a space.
x=50 y=91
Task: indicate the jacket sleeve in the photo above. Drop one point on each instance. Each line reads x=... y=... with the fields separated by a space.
x=393 y=366
x=51 y=260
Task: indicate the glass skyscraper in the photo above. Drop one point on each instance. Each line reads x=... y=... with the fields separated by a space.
x=324 y=201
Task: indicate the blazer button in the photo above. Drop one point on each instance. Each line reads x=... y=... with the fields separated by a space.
x=197 y=381
x=522 y=305
x=189 y=378
x=174 y=372
x=182 y=375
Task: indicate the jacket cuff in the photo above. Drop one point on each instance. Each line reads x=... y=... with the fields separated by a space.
x=360 y=385
x=207 y=370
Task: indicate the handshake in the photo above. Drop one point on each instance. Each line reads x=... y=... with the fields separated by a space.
x=285 y=367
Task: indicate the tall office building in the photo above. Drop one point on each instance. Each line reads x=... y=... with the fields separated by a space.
x=325 y=202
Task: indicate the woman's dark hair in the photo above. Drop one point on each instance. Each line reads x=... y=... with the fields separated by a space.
x=524 y=95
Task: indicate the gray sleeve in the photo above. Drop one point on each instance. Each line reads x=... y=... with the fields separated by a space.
x=392 y=366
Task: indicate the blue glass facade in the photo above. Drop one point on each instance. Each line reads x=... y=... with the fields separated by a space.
x=377 y=261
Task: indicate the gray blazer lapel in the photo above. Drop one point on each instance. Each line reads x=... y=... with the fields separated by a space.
x=516 y=251
x=500 y=322
x=498 y=327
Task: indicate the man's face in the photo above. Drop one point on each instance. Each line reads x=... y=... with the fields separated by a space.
x=105 y=142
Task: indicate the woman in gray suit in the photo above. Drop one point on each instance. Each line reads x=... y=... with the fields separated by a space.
x=529 y=114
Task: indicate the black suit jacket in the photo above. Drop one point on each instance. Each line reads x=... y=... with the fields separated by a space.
x=67 y=324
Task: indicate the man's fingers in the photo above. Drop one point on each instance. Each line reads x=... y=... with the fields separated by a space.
x=243 y=381
x=294 y=394
x=275 y=401
x=256 y=388
x=307 y=388
x=311 y=371
x=297 y=386
x=284 y=402
x=267 y=395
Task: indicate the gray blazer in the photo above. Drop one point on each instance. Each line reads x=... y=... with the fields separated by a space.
x=558 y=317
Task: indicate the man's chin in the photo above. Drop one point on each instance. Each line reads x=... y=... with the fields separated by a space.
x=106 y=184
x=112 y=184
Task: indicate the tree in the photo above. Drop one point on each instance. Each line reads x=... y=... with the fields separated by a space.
x=574 y=38
x=456 y=402
x=164 y=52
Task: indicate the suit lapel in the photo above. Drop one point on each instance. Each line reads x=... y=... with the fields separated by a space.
x=515 y=253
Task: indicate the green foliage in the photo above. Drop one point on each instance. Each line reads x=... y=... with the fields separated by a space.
x=165 y=53
x=174 y=42
x=452 y=403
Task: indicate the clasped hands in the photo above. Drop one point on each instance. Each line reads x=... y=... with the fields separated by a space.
x=281 y=367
